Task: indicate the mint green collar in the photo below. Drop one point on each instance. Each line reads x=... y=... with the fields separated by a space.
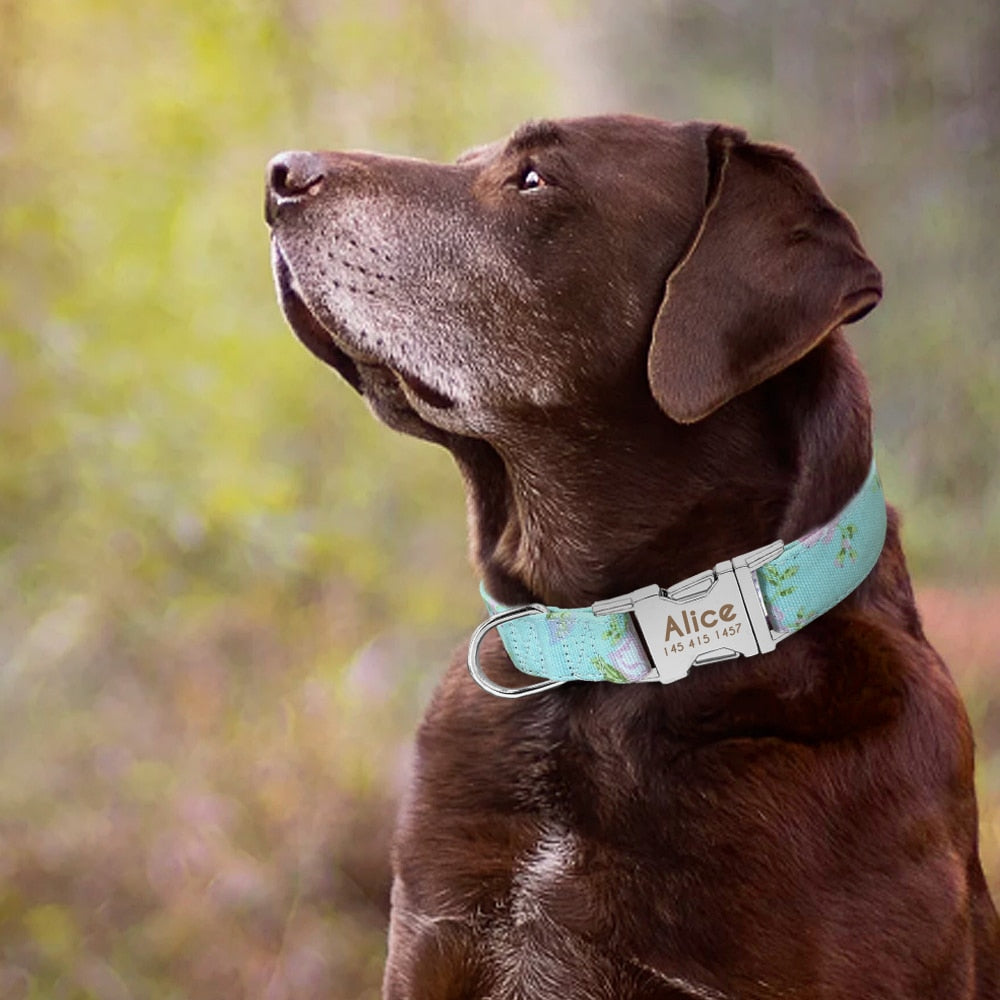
x=742 y=607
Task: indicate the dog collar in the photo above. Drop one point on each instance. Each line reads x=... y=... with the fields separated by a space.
x=742 y=607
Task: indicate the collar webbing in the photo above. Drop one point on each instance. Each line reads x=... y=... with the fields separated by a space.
x=742 y=607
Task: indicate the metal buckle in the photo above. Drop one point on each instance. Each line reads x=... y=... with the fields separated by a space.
x=716 y=615
x=476 y=670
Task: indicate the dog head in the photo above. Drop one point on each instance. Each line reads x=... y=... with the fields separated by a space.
x=575 y=263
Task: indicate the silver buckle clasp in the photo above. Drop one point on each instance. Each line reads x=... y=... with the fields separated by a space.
x=716 y=615
x=478 y=674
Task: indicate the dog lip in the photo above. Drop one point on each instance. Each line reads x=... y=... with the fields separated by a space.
x=306 y=325
x=425 y=393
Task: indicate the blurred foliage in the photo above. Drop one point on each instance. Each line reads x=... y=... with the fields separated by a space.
x=224 y=589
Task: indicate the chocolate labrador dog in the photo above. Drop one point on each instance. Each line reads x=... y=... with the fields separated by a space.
x=629 y=335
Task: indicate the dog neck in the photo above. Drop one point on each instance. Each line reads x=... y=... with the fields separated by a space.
x=594 y=508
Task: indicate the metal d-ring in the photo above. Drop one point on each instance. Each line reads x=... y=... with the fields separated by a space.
x=477 y=638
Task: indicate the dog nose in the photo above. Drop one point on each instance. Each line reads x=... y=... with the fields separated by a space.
x=292 y=176
x=295 y=173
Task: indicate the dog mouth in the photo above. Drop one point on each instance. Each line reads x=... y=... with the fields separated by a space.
x=367 y=375
x=310 y=331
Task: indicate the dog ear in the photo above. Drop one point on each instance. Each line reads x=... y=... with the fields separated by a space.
x=772 y=270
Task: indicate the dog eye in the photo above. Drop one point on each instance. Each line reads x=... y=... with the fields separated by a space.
x=531 y=179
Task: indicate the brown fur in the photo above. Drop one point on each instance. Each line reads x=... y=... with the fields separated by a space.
x=639 y=368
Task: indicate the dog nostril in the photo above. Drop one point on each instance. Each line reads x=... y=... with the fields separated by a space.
x=294 y=174
x=279 y=178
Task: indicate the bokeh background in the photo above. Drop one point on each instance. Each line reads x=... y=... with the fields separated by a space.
x=225 y=591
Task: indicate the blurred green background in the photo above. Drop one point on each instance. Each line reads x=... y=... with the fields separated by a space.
x=225 y=591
